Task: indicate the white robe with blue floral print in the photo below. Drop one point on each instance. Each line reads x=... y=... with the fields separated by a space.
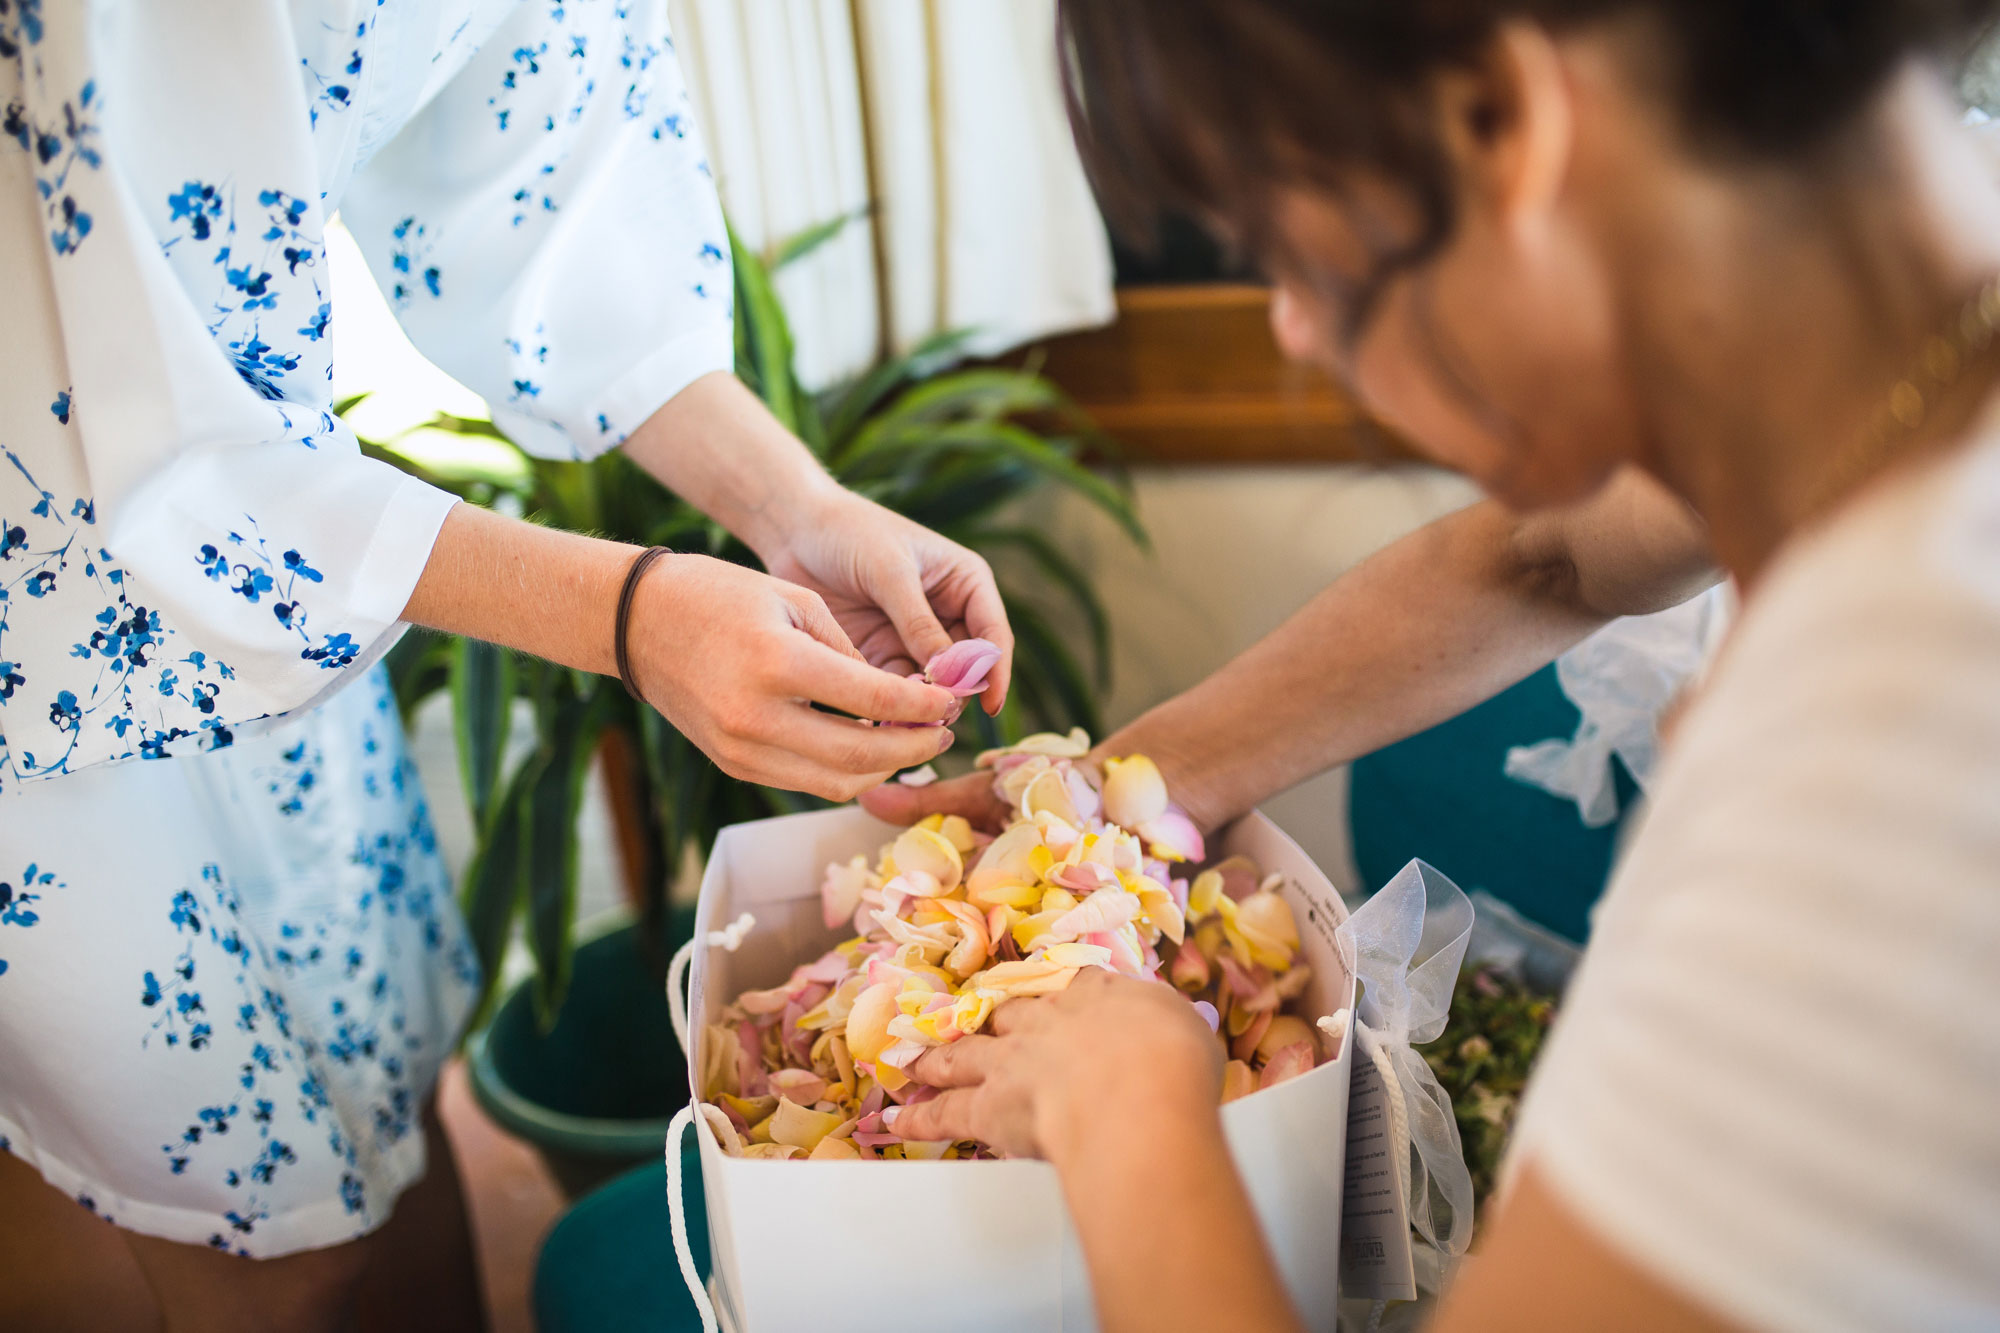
x=195 y=555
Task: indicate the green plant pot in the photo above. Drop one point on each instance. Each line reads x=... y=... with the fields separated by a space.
x=595 y=1092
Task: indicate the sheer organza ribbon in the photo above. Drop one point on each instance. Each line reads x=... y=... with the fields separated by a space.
x=1405 y=945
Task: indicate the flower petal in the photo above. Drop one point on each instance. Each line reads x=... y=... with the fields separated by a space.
x=725 y=1132
x=921 y=851
x=801 y=1126
x=1051 y=744
x=776 y=1152
x=868 y=1022
x=1172 y=835
x=963 y=667
x=1107 y=909
x=1007 y=869
x=1282 y=1031
x=1288 y=1063
x=798 y=1085
x=830 y=1149
x=1189 y=969
x=1134 y=791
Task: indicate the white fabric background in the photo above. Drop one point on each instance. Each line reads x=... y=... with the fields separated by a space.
x=947 y=113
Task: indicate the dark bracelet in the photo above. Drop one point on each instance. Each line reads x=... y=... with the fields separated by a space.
x=620 y=649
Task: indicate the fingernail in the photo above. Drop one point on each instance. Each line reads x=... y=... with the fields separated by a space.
x=889 y=1115
x=946 y=740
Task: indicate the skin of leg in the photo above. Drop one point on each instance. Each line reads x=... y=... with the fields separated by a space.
x=65 y=1269
x=423 y=1273
x=61 y=1268
x=199 y=1289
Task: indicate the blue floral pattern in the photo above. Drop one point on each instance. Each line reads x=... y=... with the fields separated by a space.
x=145 y=637
x=18 y=899
x=291 y=1007
x=128 y=664
x=253 y=941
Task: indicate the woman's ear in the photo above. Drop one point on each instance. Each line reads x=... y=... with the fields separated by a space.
x=1508 y=125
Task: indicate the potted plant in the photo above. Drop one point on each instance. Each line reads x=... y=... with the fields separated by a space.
x=951 y=446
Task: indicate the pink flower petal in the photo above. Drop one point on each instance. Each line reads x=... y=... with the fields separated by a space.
x=1208 y=1014
x=1289 y=1063
x=800 y=1085
x=1189 y=970
x=1086 y=877
x=1245 y=1044
x=1252 y=986
x=1173 y=836
x=963 y=667
x=1239 y=877
x=765 y=1001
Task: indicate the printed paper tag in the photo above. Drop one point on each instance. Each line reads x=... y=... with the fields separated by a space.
x=1375 y=1259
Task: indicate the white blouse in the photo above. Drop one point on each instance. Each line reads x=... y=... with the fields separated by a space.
x=1775 y=1084
x=190 y=542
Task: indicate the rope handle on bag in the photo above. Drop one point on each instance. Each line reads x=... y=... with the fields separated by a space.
x=730 y=937
x=677 y=1210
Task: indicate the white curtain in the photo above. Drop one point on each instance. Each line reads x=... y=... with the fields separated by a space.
x=940 y=121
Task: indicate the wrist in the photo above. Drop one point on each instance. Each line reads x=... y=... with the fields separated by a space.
x=1132 y=1128
x=796 y=502
x=1144 y=1094
x=1177 y=767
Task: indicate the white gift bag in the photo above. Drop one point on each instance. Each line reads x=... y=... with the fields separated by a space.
x=805 y=1244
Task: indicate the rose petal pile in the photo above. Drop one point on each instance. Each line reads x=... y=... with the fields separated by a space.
x=950 y=923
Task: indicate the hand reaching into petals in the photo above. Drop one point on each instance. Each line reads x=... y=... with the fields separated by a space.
x=1063 y=1072
x=901 y=592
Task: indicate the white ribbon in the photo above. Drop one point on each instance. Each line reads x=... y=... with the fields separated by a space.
x=1405 y=945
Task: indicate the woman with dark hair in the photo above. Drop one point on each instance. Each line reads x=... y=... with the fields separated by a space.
x=1611 y=258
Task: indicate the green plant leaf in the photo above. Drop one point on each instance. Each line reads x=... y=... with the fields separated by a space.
x=848 y=406
x=1060 y=570
x=764 y=336
x=492 y=887
x=982 y=395
x=1004 y=439
x=419 y=666
x=550 y=844
x=800 y=244
x=1043 y=656
x=482 y=703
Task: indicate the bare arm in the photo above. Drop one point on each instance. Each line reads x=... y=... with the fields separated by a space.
x=1427 y=627
x=1114 y=1082
x=732 y=657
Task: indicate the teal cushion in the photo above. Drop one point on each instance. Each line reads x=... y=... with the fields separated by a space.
x=608 y=1266
x=1442 y=795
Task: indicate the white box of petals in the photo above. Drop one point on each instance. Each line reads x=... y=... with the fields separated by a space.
x=976 y=1244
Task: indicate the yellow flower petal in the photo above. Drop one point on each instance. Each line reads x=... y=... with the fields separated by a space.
x=830 y=1149
x=1134 y=791
x=922 y=851
x=801 y=1126
x=868 y=1021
